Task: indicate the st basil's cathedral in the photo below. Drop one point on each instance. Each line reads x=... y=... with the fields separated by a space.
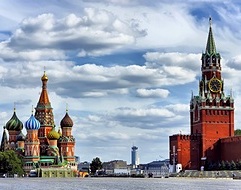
x=43 y=146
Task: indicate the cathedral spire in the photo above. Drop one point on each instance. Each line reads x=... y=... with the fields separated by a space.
x=44 y=110
x=210 y=47
x=44 y=99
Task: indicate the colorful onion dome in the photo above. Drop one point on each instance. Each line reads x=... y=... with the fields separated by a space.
x=32 y=123
x=14 y=124
x=21 y=137
x=66 y=121
x=53 y=135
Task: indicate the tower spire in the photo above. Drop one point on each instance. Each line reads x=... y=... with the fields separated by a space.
x=210 y=47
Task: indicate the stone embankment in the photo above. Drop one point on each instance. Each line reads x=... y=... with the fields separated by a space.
x=236 y=174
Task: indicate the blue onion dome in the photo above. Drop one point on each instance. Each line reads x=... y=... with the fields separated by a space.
x=21 y=137
x=32 y=123
x=14 y=124
x=66 y=121
x=53 y=135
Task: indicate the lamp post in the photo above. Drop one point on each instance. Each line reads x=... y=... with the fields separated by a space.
x=174 y=154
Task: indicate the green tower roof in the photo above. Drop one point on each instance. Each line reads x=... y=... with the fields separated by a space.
x=210 y=48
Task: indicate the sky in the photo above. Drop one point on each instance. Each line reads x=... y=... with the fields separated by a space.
x=125 y=68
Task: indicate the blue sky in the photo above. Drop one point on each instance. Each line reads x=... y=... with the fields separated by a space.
x=126 y=68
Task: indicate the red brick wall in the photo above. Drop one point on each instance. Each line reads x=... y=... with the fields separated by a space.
x=230 y=148
x=186 y=149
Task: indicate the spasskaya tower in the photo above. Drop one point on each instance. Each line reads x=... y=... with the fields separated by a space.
x=211 y=118
x=211 y=111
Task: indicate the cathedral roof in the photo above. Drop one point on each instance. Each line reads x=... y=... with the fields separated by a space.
x=66 y=121
x=14 y=124
x=32 y=123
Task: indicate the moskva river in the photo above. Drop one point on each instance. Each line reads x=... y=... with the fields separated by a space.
x=118 y=184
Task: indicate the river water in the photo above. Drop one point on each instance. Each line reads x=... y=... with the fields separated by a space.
x=118 y=184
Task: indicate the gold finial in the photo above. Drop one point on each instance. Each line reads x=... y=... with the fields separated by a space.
x=32 y=109
x=44 y=77
x=67 y=107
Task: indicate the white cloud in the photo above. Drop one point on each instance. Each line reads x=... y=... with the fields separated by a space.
x=150 y=93
x=97 y=33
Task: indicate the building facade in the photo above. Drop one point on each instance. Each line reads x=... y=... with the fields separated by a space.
x=211 y=137
x=42 y=147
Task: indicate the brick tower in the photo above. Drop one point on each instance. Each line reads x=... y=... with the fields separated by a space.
x=31 y=145
x=211 y=116
x=67 y=141
x=211 y=112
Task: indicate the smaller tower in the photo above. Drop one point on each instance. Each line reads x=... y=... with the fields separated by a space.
x=20 y=143
x=14 y=127
x=67 y=141
x=32 y=143
x=134 y=156
x=53 y=149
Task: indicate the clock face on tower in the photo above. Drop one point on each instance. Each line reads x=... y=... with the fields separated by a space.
x=215 y=85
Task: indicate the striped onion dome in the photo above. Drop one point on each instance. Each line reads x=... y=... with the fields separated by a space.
x=32 y=123
x=14 y=124
x=21 y=137
x=66 y=121
x=53 y=135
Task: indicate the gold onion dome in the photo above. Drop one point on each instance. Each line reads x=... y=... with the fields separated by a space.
x=44 y=77
x=14 y=124
x=66 y=121
x=53 y=135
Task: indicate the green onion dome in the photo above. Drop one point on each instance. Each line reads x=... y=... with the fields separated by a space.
x=14 y=124
x=32 y=123
x=66 y=121
x=53 y=135
x=21 y=137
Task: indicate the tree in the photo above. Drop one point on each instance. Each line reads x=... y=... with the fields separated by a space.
x=11 y=163
x=95 y=165
x=237 y=132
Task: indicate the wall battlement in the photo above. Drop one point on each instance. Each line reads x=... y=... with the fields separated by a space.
x=231 y=139
x=184 y=137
